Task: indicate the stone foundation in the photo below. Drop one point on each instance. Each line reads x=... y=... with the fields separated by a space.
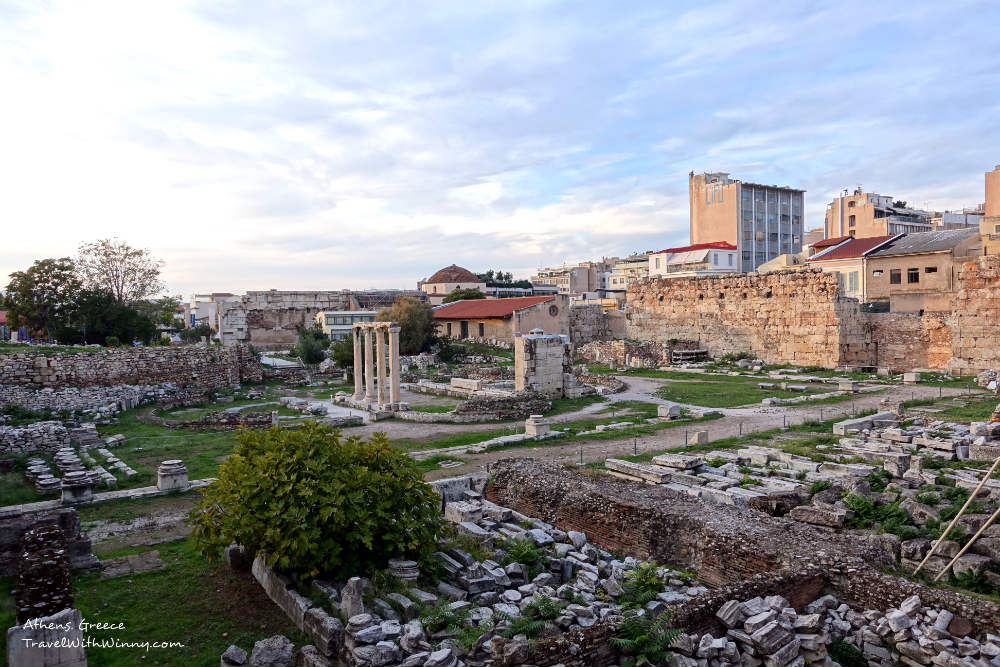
x=203 y=366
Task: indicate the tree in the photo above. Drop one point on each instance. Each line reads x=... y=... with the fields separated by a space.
x=162 y=310
x=194 y=334
x=899 y=203
x=416 y=323
x=96 y=317
x=130 y=274
x=41 y=297
x=342 y=352
x=459 y=294
x=318 y=504
x=309 y=348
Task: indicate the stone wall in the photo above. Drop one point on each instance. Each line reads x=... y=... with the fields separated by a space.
x=903 y=341
x=726 y=545
x=45 y=436
x=77 y=546
x=632 y=353
x=796 y=317
x=975 y=316
x=203 y=366
x=591 y=322
x=43 y=573
x=542 y=364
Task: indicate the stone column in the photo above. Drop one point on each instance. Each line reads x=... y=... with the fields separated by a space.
x=359 y=389
x=369 y=366
x=394 y=365
x=380 y=342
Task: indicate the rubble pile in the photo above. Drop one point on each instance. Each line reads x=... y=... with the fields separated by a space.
x=39 y=436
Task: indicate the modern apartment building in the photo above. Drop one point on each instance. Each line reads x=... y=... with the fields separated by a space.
x=337 y=324
x=866 y=214
x=626 y=272
x=762 y=221
x=575 y=278
x=703 y=259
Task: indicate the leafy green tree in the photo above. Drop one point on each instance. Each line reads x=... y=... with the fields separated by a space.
x=42 y=296
x=416 y=324
x=311 y=345
x=319 y=504
x=459 y=294
x=162 y=310
x=194 y=334
x=97 y=316
x=342 y=352
x=130 y=274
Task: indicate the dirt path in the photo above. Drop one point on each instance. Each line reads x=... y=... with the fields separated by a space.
x=736 y=421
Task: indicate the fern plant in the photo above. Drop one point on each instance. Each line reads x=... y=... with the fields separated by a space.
x=642 y=584
x=645 y=640
x=534 y=617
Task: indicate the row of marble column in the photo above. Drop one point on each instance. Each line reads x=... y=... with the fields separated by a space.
x=370 y=367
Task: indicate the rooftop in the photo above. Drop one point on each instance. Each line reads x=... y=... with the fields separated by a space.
x=826 y=243
x=453 y=274
x=486 y=308
x=714 y=245
x=921 y=242
x=852 y=248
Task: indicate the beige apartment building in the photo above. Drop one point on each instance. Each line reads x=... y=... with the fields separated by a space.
x=762 y=221
x=576 y=278
x=628 y=271
x=989 y=228
x=866 y=214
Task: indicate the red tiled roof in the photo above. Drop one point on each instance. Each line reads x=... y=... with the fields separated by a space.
x=3 y=317
x=483 y=308
x=826 y=243
x=852 y=249
x=714 y=245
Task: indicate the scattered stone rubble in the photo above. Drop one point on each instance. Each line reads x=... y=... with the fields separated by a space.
x=94 y=403
x=36 y=437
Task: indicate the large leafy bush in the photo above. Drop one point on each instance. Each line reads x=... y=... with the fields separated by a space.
x=317 y=503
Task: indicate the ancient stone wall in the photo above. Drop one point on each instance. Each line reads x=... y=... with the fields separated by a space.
x=796 y=317
x=203 y=366
x=78 y=547
x=591 y=322
x=903 y=341
x=641 y=354
x=43 y=579
x=975 y=317
x=45 y=436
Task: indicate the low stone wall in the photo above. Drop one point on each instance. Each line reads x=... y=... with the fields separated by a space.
x=624 y=353
x=726 y=545
x=193 y=364
x=215 y=421
x=613 y=384
x=94 y=402
x=591 y=322
x=441 y=417
x=518 y=406
x=47 y=436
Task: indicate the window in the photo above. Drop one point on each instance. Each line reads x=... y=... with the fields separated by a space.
x=930 y=269
x=482 y=330
x=715 y=258
x=895 y=277
x=747 y=235
x=913 y=275
x=851 y=204
x=852 y=281
x=730 y=259
x=850 y=221
x=449 y=329
x=877 y=272
x=657 y=262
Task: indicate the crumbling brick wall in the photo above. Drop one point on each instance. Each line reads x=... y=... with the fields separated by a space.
x=78 y=547
x=975 y=317
x=203 y=366
x=794 y=317
x=903 y=341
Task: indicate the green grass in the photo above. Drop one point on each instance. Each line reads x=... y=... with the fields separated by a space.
x=192 y=601
x=436 y=409
x=456 y=440
x=980 y=410
x=431 y=462
x=564 y=405
x=725 y=394
x=16 y=490
x=47 y=350
x=129 y=509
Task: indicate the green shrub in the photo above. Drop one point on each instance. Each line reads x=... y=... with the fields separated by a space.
x=534 y=617
x=642 y=584
x=928 y=498
x=523 y=551
x=879 y=479
x=112 y=341
x=318 y=504
x=848 y=655
x=821 y=485
x=977 y=582
x=716 y=462
x=645 y=640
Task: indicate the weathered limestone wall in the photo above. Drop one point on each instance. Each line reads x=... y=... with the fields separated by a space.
x=975 y=321
x=46 y=436
x=794 y=317
x=902 y=341
x=542 y=364
x=642 y=354
x=271 y=318
x=592 y=323
x=203 y=366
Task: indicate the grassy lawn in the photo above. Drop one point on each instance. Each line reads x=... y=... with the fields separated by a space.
x=975 y=411
x=456 y=440
x=723 y=394
x=431 y=462
x=436 y=409
x=16 y=490
x=203 y=605
x=564 y=405
x=127 y=509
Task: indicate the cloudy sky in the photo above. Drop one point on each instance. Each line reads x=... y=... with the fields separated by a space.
x=328 y=145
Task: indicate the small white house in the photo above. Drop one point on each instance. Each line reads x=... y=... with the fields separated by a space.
x=700 y=259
